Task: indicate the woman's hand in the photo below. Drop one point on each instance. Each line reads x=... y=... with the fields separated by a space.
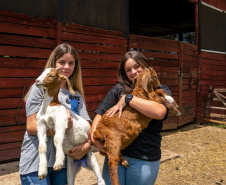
x=70 y=121
x=117 y=108
x=80 y=150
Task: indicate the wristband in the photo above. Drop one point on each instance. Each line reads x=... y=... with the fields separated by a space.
x=128 y=98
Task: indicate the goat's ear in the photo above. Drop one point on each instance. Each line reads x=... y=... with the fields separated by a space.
x=62 y=77
x=146 y=81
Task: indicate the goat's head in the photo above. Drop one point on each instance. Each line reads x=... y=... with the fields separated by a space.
x=51 y=79
x=147 y=79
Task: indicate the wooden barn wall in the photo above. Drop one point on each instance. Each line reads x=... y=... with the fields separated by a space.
x=221 y=4
x=212 y=72
x=176 y=65
x=26 y=44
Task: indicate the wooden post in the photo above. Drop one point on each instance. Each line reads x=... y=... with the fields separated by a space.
x=180 y=81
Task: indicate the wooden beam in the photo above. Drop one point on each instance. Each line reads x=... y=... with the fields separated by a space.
x=215 y=121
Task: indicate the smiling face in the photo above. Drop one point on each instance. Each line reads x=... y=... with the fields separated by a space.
x=132 y=68
x=66 y=64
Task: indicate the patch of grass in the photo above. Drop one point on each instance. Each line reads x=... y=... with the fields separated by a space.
x=219 y=125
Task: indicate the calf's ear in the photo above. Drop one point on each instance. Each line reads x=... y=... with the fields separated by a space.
x=62 y=77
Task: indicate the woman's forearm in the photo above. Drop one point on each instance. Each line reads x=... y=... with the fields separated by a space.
x=149 y=108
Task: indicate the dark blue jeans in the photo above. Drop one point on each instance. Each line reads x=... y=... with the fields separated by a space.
x=52 y=178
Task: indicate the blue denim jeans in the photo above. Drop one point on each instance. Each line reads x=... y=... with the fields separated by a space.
x=52 y=178
x=139 y=172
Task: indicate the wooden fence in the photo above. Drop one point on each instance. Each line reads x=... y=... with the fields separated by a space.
x=176 y=66
x=27 y=42
x=212 y=72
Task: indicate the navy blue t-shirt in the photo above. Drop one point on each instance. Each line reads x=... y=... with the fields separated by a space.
x=147 y=145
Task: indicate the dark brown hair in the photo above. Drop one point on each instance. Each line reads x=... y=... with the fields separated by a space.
x=122 y=77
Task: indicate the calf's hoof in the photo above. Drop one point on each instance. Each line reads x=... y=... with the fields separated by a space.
x=57 y=167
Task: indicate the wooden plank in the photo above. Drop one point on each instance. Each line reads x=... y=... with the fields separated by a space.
x=76 y=28
x=11 y=120
x=153 y=40
x=12 y=93
x=27 y=30
x=214 y=107
x=217 y=115
x=93 y=98
x=215 y=121
x=66 y=36
x=93 y=73
x=10 y=103
x=7 y=72
x=160 y=55
x=213 y=67
x=169 y=126
x=12 y=111
x=99 y=64
x=215 y=56
x=18 y=40
x=10 y=129
x=24 y=52
x=99 y=81
x=159 y=62
x=97 y=89
x=18 y=18
x=11 y=154
x=97 y=47
x=10 y=145
x=13 y=137
x=100 y=56
x=22 y=63
x=16 y=82
x=213 y=62
x=153 y=46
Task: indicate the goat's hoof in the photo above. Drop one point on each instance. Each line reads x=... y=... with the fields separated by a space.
x=175 y=104
x=40 y=177
x=125 y=164
x=57 y=167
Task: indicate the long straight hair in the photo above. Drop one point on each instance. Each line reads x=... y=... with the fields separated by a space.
x=76 y=77
x=122 y=77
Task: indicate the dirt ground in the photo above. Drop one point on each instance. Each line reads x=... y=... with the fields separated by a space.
x=192 y=154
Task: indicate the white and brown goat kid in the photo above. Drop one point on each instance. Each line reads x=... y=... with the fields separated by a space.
x=54 y=115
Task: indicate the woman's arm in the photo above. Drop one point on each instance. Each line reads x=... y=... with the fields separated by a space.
x=32 y=125
x=149 y=108
x=97 y=143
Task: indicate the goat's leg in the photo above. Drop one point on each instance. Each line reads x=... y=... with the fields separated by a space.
x=113 y=147
x=168 y=98
x=58 y=142
x=72 y=169
x=168 y=101
x=94 y=166
x=42 y=171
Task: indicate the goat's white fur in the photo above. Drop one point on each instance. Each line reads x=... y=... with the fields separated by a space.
x=56 y=117
x=169 y=99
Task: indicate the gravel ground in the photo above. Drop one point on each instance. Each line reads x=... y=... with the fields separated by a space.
x=193 y=154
